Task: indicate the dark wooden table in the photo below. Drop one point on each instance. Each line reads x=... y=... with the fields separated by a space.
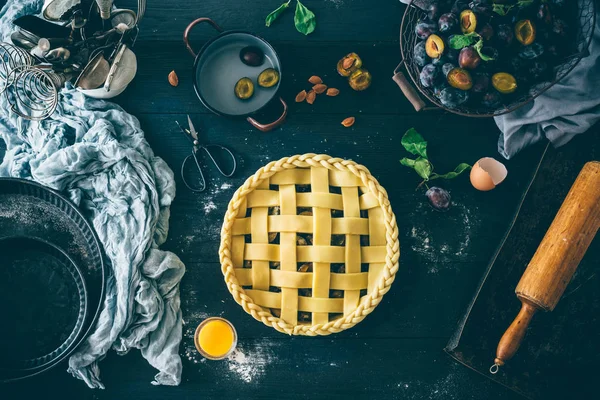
x=397 y=352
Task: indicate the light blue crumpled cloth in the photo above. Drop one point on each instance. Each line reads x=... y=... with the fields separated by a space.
x=96 y=152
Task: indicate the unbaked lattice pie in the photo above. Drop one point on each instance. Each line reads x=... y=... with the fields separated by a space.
x=309 y=244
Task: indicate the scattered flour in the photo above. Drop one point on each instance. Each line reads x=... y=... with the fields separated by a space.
x=432 y=242
x=249 y=363
x=336 y=3
x=209 y=206
x=226 y=186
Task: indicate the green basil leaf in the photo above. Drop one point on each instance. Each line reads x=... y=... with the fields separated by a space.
x=524 y=3
x=478 y=47
x=423 y=168
x=421 y=165
x=457 y=42
x=502 y=9
x=304 y=19
x=453 y=174
x=407 y=162
x=414 y=143
x=276 y=13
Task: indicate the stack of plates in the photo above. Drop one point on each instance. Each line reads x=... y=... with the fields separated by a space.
x=51 y=278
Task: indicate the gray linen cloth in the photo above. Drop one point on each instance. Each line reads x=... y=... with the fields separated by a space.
x=96 y=153
x=569 y=108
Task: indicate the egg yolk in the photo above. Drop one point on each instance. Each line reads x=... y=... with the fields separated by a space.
x=216 y=338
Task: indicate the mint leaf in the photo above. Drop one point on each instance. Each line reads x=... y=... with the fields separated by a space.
x=276 y=13
x=304 y=19
x=478 y=46
x=421 y=166
x=414 y=143
x=457 y=42
x=453 y=174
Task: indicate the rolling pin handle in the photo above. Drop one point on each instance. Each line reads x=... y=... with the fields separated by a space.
x=512 y=338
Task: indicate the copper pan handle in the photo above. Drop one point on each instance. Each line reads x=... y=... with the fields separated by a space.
x=272 y=125
x=409 y=91
x=187 y=31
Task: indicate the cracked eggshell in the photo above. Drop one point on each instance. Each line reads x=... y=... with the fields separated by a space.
x=487 y=173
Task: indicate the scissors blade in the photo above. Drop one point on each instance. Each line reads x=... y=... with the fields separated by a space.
x=193 y=131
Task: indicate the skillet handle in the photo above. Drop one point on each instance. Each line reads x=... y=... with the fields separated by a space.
x=409 y=91
x=272 y=125
x=187 y=31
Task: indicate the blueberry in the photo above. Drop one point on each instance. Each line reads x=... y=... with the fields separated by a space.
x=438 y=198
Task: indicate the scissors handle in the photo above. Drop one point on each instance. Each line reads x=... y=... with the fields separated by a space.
x=216 y=163
x=202 y=182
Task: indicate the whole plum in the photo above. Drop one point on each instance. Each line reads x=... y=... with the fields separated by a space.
x=420 y=55
x=468 y=58
x=447 y=68
x=486 y=32
x=423 y=29
x=491 y=99
x=430 y=75
x=447 y=22
x=451 y=97
x=532 y=51
x=504 y=34
x=481 y=82
x=459 y=5
x=438 y=198
x=437 y=89
x=483 y=7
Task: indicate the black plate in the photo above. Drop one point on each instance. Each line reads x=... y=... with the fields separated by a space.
x=43 y=296
x=30 y=210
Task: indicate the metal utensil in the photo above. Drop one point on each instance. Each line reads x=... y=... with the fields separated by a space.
x=94 y=74
x=192 y=136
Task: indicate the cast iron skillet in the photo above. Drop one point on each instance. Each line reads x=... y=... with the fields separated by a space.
x=217 y=68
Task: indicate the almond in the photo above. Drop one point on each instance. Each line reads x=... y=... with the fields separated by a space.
x=315 y=80
x=300 y=97
x=173 y=79
x=320 y=88
x=311 y=96
x=348 y=62
x=348 y=122
x=332 y=92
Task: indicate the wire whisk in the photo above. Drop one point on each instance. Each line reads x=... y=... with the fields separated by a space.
x=11 y=58
x=31 y=92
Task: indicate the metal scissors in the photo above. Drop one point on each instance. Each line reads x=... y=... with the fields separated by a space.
x=192 y=136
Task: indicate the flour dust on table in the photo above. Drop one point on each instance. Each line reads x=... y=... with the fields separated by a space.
x=434 y=244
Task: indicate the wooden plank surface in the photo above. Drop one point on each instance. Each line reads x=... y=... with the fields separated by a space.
x=397 y=351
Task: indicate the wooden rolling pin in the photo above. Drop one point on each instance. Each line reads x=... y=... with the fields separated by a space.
x=556 y=259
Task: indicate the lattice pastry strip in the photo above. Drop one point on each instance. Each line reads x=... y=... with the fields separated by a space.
x=292 y=248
